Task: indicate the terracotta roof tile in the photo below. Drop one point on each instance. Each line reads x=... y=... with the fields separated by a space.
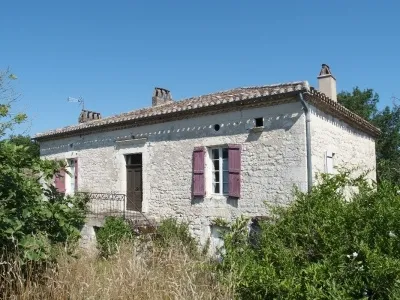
x=212 y=102
x=214 y=99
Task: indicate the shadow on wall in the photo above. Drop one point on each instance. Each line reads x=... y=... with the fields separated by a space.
x=280 y=122
x=338 y=123
x=173 y=133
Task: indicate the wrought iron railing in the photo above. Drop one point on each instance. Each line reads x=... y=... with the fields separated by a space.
x=101 y=205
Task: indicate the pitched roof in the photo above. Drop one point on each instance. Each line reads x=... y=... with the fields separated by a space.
x=213 y=103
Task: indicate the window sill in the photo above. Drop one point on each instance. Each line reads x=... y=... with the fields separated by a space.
x=257 y=129
x=216 y=197
x=224 y=196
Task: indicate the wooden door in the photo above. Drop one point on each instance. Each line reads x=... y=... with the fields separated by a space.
x=134 y=188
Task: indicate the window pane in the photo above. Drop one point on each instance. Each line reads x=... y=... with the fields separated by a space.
x=225 y=153
x=216 y=165
x=225 y=177
x=216 y=188
x=225 y=165
x=215 y=153
x=226 y=188
x=216 y=177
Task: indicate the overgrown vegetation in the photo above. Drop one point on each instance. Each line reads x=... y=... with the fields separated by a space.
x=172 y=233
x=34 y=217
x=321 y=247
x=114 y=232
x=133 y=272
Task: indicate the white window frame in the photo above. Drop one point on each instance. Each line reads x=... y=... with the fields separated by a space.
x=329 y=162
x=70 y=178
x=220 y=170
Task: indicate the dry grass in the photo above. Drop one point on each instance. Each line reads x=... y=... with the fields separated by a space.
x=133 y=273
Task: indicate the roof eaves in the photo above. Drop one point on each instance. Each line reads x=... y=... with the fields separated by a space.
x=323 y=102
x=208 y=103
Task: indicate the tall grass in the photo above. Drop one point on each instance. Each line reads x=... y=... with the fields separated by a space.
x=134 y=272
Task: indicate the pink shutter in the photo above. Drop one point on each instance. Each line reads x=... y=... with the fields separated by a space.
x=76 y=174
x=234 y=165
x=198 y=172
x=59 y=181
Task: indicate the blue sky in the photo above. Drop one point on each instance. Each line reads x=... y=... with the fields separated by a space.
x=113 y=53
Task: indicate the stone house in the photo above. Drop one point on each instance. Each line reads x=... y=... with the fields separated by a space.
x=220 y=155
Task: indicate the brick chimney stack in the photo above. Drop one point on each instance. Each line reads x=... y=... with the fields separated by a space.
x=87 y=115
x=327 y=83
x=161 y=96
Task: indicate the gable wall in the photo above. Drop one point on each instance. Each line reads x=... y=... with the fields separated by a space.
x=272 y=162
x=351 y=147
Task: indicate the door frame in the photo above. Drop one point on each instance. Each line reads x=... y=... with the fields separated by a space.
x=135 y=166
x=121 y=183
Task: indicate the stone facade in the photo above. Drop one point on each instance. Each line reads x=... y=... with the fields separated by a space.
x=273 y=161
x=351 y=147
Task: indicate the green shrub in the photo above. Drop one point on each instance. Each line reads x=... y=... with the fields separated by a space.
x=34 y=218
x=323 y=246
x=114 y=232
x=31 y=212
x=172 y=233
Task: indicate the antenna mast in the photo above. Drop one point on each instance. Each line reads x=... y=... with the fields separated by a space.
x=77 y=100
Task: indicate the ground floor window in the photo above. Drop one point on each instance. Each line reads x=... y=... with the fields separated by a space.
x=70 y=178
x=220 y=171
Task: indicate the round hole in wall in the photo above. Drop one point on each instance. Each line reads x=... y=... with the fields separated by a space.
x=217 y=127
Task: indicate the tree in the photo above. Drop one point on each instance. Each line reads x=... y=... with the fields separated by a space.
x=33 y=147
x=388 y=144
x=7 y=97
x=33 y=215
x=364 y=103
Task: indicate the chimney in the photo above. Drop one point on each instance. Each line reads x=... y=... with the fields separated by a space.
x=87 y=115
x=161 y=96
x=327 y=83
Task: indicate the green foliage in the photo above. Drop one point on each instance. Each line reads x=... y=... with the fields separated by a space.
x=323 y=246
x=364 y=103
x=172 y=233
x=114 y=232
x=388 y=144
x=33 y=215
x=33 y=148
x=7 y=96
x=220 y=222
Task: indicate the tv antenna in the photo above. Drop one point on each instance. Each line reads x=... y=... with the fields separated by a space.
x=77 y=100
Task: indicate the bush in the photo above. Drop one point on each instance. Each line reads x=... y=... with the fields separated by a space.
x=321 y=247
x=114 y=232
x=171 y=233
x=34 y=213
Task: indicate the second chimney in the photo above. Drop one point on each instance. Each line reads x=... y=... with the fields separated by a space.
x=87 y=115
x=161 y=96
x=327 y=83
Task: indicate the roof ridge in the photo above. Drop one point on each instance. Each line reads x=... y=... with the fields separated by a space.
x=186 y=104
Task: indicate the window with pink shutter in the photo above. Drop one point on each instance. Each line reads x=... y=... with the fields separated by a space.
x=198 y=172
x=220 y=171
x=59 y=181
x=76 y=174
x=234 y=165
x=225 y=170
